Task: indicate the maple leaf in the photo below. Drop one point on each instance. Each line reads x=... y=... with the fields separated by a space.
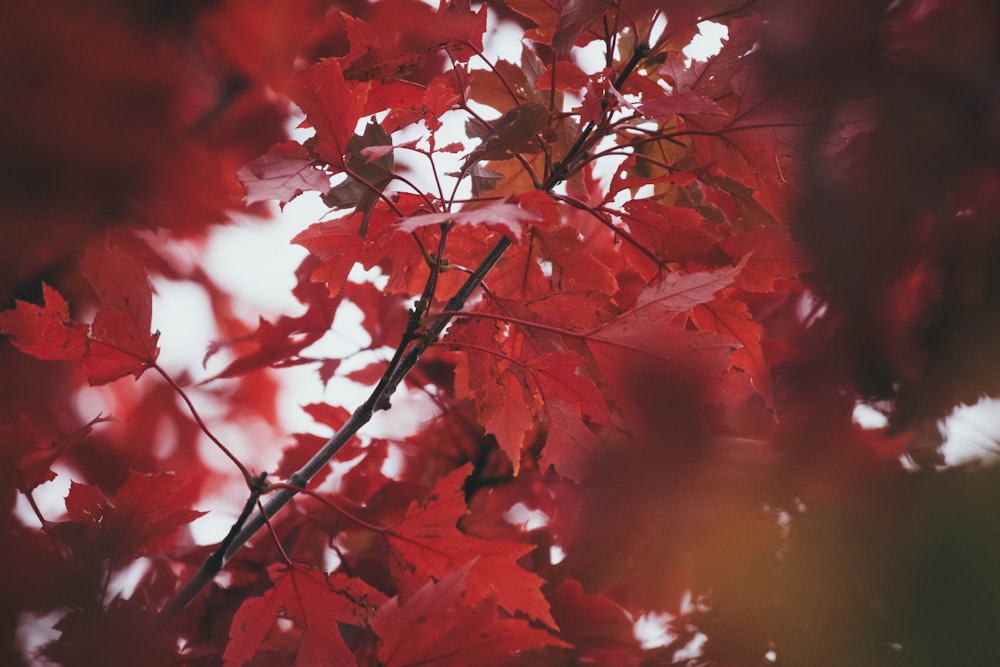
x=650 y=336
x=505 y=404
x=374 y=53
x=45 y=332
x=123 y=633
x=120 y=339
x=515 y=133
x=600 y=630
x=748 y=151
x=281 y=174
x=141 y=517
x=771 y=255
x=316 y=601
x=369 y=173
x=332 y=106
x=427 y=545
x=732 y=318
x=674 y=233
x=685 y=102
x=501 y=215
x=568 y=398
x=408 y=102
x=442 y=624
x=19 y=442
x=575 y=17
x=118 y=342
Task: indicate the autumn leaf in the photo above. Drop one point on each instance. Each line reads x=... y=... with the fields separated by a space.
x=332 y=106
x=443 y=624
x=570 y=401
x=140 y=518
x=600 y=630
x=339 y=246
x=46 y=332
x=650 y=336
x=29 y=458
x=684 y=102
x=317 y=602
x=118 y=342
x=501 y=215
x=575 y=17
x=428 y=545
x=368 y=173
x=121 y=342
x=731 y=318
x=281 y=174
x=771 y=255
x=515 y=133
x=513 y=415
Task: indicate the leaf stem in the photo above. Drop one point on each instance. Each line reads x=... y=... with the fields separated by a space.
x=201 y=423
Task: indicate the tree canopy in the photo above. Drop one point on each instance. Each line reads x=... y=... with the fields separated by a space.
x=646 y=295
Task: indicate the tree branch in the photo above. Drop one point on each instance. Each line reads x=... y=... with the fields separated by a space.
x=361 y=416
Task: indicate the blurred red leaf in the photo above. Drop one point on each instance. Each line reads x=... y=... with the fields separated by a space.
x=32 y=461
x=443 y=624
x=141 y=518
x=120 y=339
x=118 y=342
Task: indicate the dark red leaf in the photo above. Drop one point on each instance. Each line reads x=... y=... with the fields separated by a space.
x=121 y=342
x=428 y=545
x=442 y=624
x=317 y=603
x=281 y=174
x=46 y=332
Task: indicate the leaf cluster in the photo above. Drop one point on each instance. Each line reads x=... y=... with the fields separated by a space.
x=642 y=295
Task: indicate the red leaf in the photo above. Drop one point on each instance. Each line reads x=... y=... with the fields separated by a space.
x=682 y=291
x=427 y=545
x=733 y=319
x=569 y=445
x=513 y=417
x=770 y=254
x=505 y=406
x=600 y=630
x=332 y=106
x=442 y=624
x=685 y=102
x=568 y=396
x=141 y=517
x=281 y=174
x=515 y=133
x=651 y=338
x=123 y=633
x=502 y=216
x=315 y=601
x=280 y=344
x=31 y=459
x=45 y=332
x=575 y=17
x=120 y=339
x=333 y=416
